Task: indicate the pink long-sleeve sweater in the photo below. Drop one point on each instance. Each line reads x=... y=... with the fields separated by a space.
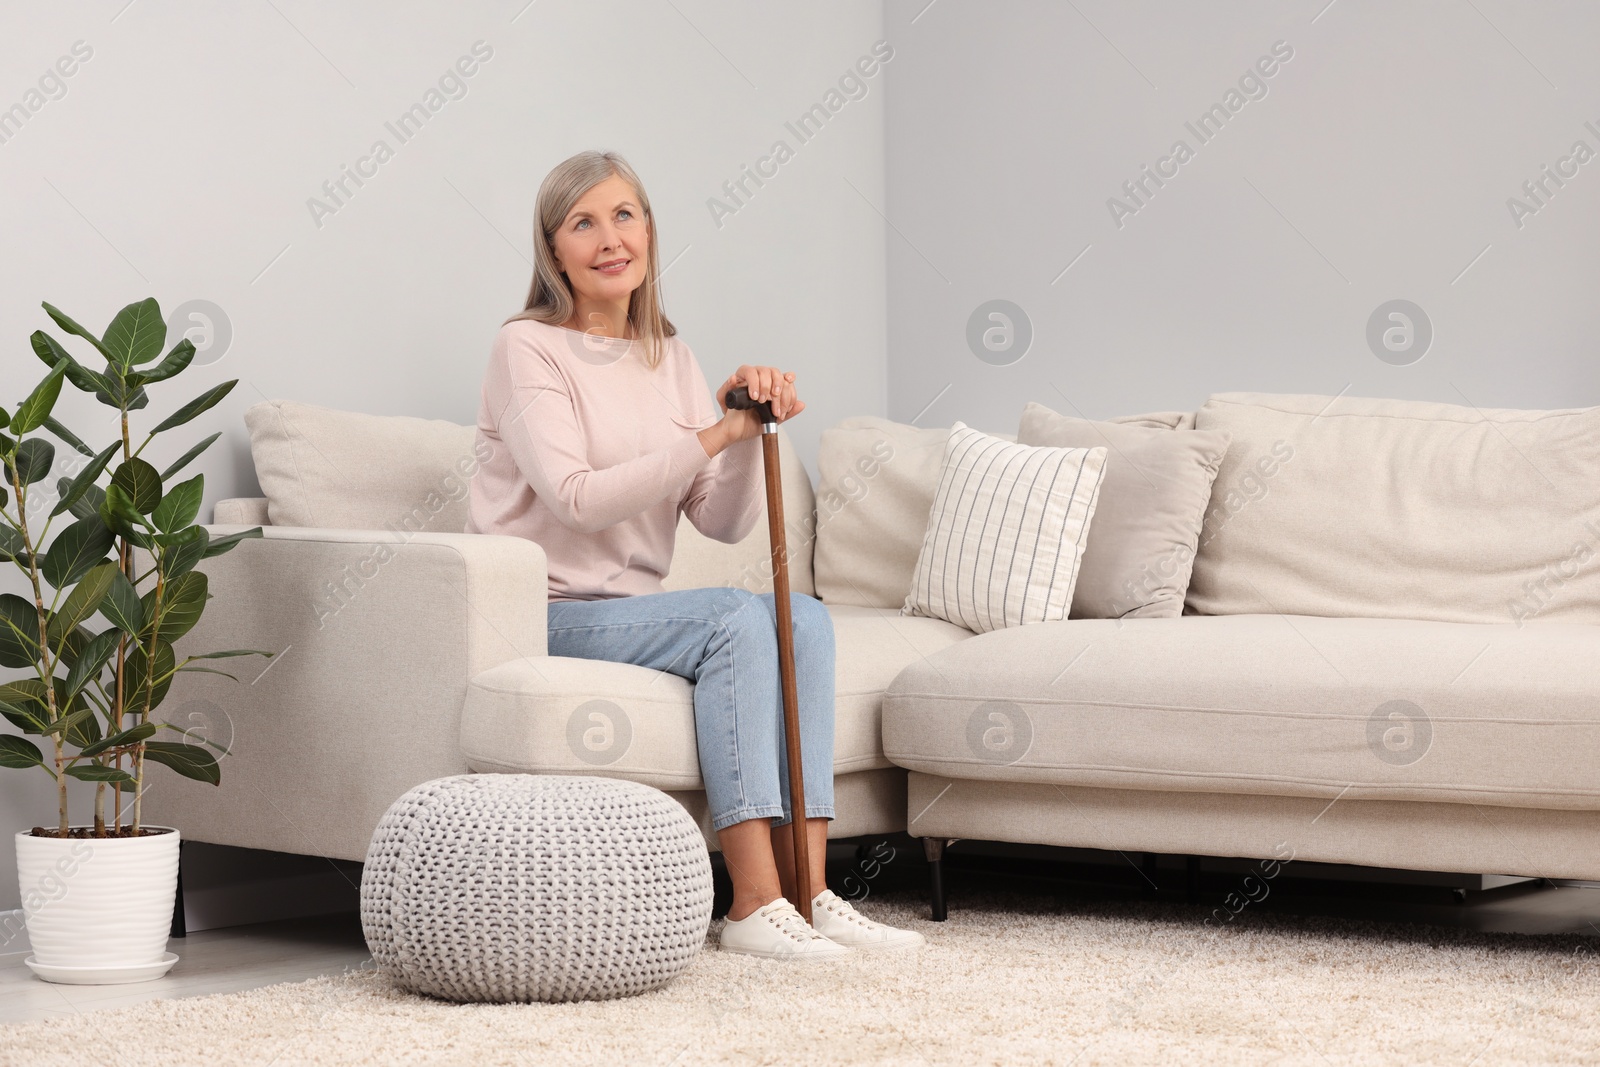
x=594 y=455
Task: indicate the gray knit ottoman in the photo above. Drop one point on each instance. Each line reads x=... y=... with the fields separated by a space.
x=520 y=887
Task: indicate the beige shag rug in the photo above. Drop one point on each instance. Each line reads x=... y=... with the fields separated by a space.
x=1008 y=980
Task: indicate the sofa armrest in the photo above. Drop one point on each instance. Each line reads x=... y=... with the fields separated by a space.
x=375 y=635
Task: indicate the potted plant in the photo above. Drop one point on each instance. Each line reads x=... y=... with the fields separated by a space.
x=98 y=897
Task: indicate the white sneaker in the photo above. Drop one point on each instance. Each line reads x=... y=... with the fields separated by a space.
x=777 y=931
x=837 y=920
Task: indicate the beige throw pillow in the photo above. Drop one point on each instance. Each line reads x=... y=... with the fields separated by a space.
x=1153 y=500
x=1007 y=531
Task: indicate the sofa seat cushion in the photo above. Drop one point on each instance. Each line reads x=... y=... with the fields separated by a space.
x=563 y=715
x=1270 y=704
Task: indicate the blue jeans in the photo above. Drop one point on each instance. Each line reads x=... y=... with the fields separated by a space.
x=724 y=640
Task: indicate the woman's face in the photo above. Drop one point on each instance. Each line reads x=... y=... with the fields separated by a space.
x=603 y=245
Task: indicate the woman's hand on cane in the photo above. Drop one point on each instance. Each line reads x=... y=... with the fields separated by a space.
x=740 y=424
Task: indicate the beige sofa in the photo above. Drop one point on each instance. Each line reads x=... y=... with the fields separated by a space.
x=406 y=650
x=1361 y=688
x=1398 y=664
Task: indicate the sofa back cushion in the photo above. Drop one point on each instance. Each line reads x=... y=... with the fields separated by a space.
x=328 y=468
x=1153 y=499
x=324 y=467
x=1344 y=506
x=876 y=480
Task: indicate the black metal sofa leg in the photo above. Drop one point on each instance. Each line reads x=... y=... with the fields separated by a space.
x=933 y=848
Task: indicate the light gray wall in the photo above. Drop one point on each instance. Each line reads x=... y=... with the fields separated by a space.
x=179 y=159
x=1377 y=167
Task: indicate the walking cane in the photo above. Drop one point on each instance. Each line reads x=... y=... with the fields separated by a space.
x=740 y=398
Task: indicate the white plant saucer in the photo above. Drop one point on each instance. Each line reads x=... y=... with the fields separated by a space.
x=139 y=972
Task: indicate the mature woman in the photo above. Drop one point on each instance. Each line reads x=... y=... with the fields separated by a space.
x=608 y=436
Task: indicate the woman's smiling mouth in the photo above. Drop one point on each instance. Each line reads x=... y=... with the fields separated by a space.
x=615 y=266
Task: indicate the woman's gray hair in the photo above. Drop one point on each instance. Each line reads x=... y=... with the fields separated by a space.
x=550 y=295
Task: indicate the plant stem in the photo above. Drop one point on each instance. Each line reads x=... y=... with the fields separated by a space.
x=149 y=684
x=138 y=787
x=47 y=670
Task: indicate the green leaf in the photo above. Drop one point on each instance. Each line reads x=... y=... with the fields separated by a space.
x=184 y=459
x=94 y=772
x=182 y=601
x=176 y=360
x=72 y=327
x=141 y=482
x=33 y=460
x=71 y=491
x=89 y=504
x=227 y=541
x=139 y=669
x=132 y=735
x=32 y=412
x=208 y=670
x=26 y=692
x=83 y=727
x=122 y=607
x=84 y=600
x=92 y=660
x=30 y=693
x=5 y=418
x=77 y=549
x=50 y=351
x=19 y=631
x=15 y=752
x=201 y=403
x=180 y=505
x=182 y=557
x=181 y=536
x=68 y=641
x=113 y=391
x=55 y=427
x=230 y=652
x=71 y=725
x=84 y=730
x=191 y=761
x=23 y=717
x=117 y=512
x=137 y=333
x=13 y=547
x=47 y=349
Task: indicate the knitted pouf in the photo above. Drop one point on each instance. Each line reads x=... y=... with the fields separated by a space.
x=519 y=887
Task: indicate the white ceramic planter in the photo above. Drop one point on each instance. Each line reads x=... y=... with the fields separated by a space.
x=99 y=910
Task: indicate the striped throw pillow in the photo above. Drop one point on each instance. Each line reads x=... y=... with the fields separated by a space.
x=1006 y=532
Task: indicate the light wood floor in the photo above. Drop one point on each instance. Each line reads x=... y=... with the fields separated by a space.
x=211 y=961
x=247 y=957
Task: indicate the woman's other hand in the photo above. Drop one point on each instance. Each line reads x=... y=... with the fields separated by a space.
x=765 y=383
x=739 y=424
